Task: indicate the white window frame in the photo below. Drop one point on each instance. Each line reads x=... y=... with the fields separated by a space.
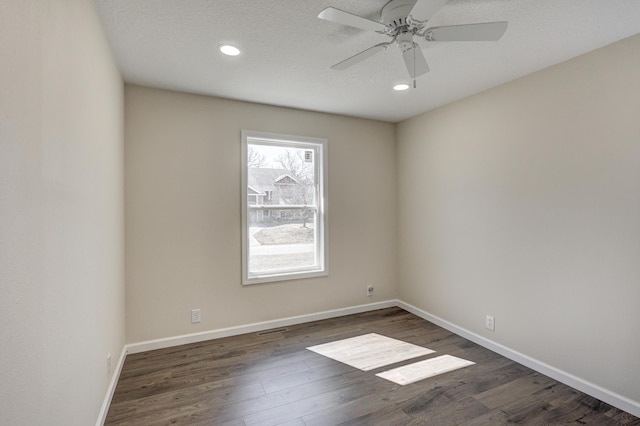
x=319 y=146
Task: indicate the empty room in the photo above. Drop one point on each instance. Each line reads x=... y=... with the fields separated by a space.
x=338 y=212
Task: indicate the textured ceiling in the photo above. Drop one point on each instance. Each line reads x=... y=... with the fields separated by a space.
x=288 y=51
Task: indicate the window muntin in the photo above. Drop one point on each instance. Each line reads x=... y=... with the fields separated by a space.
x=284 y=220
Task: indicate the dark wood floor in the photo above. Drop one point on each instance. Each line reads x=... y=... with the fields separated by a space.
x=271 y=379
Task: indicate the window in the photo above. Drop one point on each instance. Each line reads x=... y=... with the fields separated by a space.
x=284 y=202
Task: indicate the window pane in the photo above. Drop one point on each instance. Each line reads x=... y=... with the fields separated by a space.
x=281 y=240
x=284 y=203
x=283 y=175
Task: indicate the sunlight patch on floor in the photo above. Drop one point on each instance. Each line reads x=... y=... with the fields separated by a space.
x=370 y=351
x=424 y=369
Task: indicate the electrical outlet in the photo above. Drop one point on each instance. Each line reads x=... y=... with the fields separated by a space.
x=369 y=290
x=490 y=324
x=195 y=316
x=109 y=364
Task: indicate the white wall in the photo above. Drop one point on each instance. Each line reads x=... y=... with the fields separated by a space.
x=182 y=162
x=523 y=202
x=61 y=213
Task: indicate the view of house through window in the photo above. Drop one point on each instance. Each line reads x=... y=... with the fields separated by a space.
x=283 y=207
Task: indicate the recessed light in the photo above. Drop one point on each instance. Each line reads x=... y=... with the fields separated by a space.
x=229 y=50
x=401 y=86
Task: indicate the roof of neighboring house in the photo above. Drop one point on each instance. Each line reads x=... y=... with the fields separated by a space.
x=262 y=179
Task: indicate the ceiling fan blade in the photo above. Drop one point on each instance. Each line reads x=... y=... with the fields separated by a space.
x=345 y=18
x=489 y=31
x=358 y=57
x=415 y=61
x=423 y=10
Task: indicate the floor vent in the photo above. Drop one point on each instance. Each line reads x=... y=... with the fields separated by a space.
x=272 y=331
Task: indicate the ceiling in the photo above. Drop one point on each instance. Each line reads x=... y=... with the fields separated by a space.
x=287 y=51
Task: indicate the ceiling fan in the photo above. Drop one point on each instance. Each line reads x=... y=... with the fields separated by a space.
x=404 y=20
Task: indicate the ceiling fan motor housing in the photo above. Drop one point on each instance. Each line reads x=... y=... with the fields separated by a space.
x=395 y=12
x=395 y=16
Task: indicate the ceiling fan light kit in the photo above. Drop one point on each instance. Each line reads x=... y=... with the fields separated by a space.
x=404 y=20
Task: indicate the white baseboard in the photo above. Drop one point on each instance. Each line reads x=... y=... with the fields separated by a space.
x=575 y=382
x=102 y=416
x=252 y=328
